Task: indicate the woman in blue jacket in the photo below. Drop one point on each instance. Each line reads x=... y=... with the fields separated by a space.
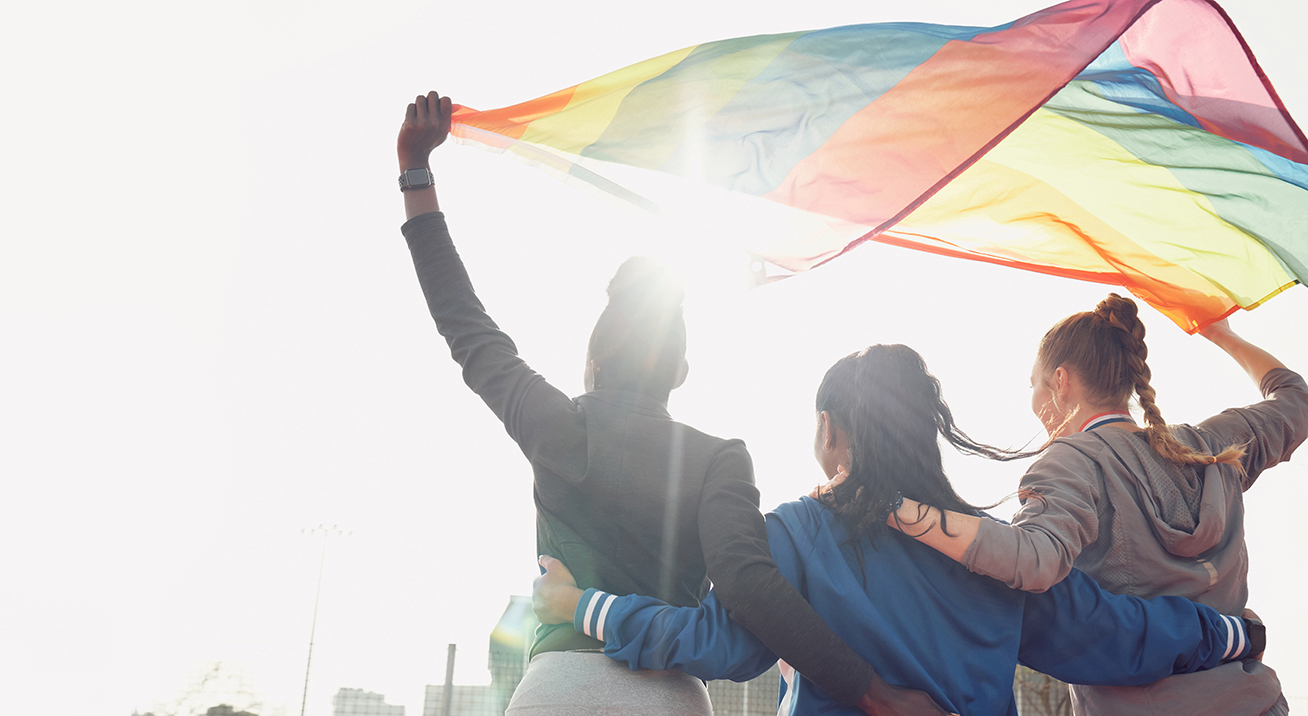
x=919 y=618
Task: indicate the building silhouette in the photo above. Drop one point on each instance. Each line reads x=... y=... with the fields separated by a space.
x=510 y=650
x=357 y=702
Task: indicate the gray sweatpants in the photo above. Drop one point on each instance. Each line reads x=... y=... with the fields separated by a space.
x=577 y=683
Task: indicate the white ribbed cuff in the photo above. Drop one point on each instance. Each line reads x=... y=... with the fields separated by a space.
x=591 y=613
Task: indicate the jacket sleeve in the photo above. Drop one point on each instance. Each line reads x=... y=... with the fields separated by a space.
x=648 y=634
x=754 y=591
x=1048 y=533
x=1270 y=431
x=1081 y=634
x=542 y=420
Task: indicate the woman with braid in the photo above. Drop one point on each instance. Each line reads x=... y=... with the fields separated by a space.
x=1146 y=511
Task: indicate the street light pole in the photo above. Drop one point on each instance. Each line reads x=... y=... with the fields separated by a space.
x=313 y=628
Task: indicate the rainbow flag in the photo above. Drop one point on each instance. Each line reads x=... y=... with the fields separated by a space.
x=1127 y=142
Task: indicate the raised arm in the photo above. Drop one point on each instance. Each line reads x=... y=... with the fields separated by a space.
x=1079 y=633
x=518 y=396
x=1269 y=431
x=1254 y=360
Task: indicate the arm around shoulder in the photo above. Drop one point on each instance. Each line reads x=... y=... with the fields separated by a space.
x=1050 y=529
x=754 y=590
x=649 y=634
x=1079 y=633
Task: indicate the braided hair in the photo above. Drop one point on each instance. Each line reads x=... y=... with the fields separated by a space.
x=892 y=410
x=639 y=341
x=1106 y=348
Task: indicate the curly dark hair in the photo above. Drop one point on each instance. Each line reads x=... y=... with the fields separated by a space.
x=891 y=408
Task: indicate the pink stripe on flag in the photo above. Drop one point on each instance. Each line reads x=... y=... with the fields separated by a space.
x=1206 y=69
x=951 y=109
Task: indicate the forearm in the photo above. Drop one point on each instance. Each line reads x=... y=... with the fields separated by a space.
x=1079 y=633
x=1029 y=560
x=949 y=533
x=418 y=201
x=517 y=395
x=1058 y=517
x=1254 y=360
x=648 y=634
x=476 y=342
x=774 y=611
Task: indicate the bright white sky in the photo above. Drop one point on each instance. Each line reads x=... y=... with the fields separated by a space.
x=213 y=337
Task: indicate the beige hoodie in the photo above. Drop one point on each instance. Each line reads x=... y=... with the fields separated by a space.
x=1143 y=526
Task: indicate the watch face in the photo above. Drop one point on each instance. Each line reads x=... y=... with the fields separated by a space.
x=417 y=177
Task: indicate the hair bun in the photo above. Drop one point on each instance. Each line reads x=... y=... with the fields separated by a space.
x=644 y=283
x=1118 y=311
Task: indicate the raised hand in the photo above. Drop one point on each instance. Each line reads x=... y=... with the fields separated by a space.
x=426 y=125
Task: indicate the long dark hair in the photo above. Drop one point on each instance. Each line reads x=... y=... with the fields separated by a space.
x=639 y=341
x=1106 y=348
x=891 y=408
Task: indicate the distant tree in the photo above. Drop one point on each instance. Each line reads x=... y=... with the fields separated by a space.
x=226 y=710
x=221 y=684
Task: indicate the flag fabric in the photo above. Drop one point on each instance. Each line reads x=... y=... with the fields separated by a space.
x=1127 y=142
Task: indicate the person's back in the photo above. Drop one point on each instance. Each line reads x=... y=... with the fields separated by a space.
x=627 y=517
x=921 y=619
x=1169 y=528
x=917 y=616
x=1165 y=528
x=635 y=499
x=1146 y=510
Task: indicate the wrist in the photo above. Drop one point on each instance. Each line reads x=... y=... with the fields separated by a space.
x=910 y=512
x=1257 y=634
x=409 y=161
x=1219 y=334
x=590 y=614
x=567 y=600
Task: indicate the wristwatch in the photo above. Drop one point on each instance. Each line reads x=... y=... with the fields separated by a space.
x=420 y=178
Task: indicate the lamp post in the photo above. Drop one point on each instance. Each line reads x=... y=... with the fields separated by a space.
x=326 y=532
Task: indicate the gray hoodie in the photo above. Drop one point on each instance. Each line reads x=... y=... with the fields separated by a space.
x=1143 y=526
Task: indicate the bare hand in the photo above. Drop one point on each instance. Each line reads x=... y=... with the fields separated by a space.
x=1215 y=331
x=882 y=699
x=426 y=125
x=825 y=488
x=554 y=594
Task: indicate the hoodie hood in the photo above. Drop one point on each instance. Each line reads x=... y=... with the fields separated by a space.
x=1187 y=511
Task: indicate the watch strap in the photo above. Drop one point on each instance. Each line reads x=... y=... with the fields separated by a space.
x=419 y=178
